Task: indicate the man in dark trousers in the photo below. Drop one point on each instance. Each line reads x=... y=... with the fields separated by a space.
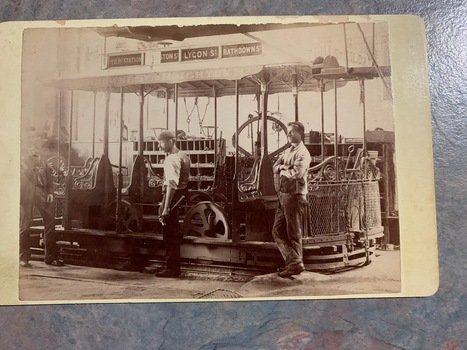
x=292 y=167
x=176 y=174
x=36 y=190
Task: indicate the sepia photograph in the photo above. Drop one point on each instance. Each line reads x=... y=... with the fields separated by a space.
x=208 y=162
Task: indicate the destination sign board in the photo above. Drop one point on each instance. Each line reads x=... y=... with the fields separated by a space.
x=203 y=53
x=135 y=59
x=241 y=50
x=206 y=53
x=170 y=56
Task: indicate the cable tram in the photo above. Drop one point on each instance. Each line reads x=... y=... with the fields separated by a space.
x=229 y=215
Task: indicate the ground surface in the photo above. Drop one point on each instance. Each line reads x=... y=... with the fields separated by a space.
x=42 y=282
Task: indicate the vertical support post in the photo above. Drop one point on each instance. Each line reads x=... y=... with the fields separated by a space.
x=167 y=93
x=120 y=175
x=362 y=92
x=336 y=153
x=142 y=172
x=214 y=93
x=70 y=126
x=264 y=126
x=235 y=206
x=59 y=128
x=94 y=127
x=106 y=123
x=295 y=94
x=323 y=151
x=176 y=111
x=336 y=141
x=69 y=178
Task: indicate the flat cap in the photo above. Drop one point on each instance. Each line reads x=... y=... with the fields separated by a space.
x=297 y=125
x=166 y=135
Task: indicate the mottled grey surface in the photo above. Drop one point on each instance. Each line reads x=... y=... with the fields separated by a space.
x=427 y=323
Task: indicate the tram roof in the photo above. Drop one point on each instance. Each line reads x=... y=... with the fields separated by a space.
x=202 y=82
x=201 y=78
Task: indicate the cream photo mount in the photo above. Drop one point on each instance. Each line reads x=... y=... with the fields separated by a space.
x=415 y=195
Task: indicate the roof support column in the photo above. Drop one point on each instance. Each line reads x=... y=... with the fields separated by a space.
x=120 y=175
x=235 y=206
x=106 y=123
x=142 y=168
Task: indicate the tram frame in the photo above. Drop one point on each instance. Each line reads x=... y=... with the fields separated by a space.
x=347 y=247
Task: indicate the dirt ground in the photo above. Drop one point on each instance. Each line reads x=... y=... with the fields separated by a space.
x=48 y=283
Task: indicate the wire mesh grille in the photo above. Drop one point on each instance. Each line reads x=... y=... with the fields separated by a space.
x=342 y=207
x=220 y=293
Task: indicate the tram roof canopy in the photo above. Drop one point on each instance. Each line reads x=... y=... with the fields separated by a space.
x=203 y=82
x=203 y=78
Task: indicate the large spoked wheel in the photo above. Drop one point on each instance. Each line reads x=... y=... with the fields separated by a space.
x=131 y=217
x=206 y=219
x=277 y=123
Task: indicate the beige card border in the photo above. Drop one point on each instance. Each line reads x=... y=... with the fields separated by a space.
x=414 y=161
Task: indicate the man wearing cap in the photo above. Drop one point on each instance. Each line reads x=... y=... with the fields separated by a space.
x=292 y=167
x=176 y=174
x=36 y=190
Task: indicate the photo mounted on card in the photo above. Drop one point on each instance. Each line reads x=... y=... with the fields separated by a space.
x=216 y=159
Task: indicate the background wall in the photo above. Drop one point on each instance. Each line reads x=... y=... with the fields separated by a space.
x=436 y=322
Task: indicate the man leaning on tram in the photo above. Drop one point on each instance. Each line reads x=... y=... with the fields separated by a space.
x=176 y=174
x=292 y=168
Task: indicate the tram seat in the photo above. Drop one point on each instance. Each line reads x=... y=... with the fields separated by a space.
x=92 y=192
x=152 y=184
x=77 y=171
x=250 y=184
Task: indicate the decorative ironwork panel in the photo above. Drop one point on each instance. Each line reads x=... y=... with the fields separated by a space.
x=343 y=207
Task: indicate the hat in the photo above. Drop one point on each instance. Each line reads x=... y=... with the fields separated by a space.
x=297 y=125
x=166 y=135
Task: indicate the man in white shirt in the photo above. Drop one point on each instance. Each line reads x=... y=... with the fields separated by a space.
x=176 y=174
x=292 y=168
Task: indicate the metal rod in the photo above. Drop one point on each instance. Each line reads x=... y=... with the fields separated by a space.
x=264 y=131
x=235 y=218
x=120 y=175
x=142 y=173
x=94 y=127
x=176 y=111
x=323 y=152
x=336 y=140
x=167 y=93
x=106 y=123
x=214 y=92
x=362 y=91
x=70 y=127
x=59 y=128
x=295 y=94
x=336 y=152
x=69 y=177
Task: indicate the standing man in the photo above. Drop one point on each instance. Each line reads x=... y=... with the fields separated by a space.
x=37 y=190
x=292 y=168
x=176 y=174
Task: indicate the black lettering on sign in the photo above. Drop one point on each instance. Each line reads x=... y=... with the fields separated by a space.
x=126 y=60
x=170 y=56
x=203 y=53
x=240 y=50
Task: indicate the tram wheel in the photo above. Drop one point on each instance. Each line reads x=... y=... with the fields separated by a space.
x=206 y=219
x=131 y=218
